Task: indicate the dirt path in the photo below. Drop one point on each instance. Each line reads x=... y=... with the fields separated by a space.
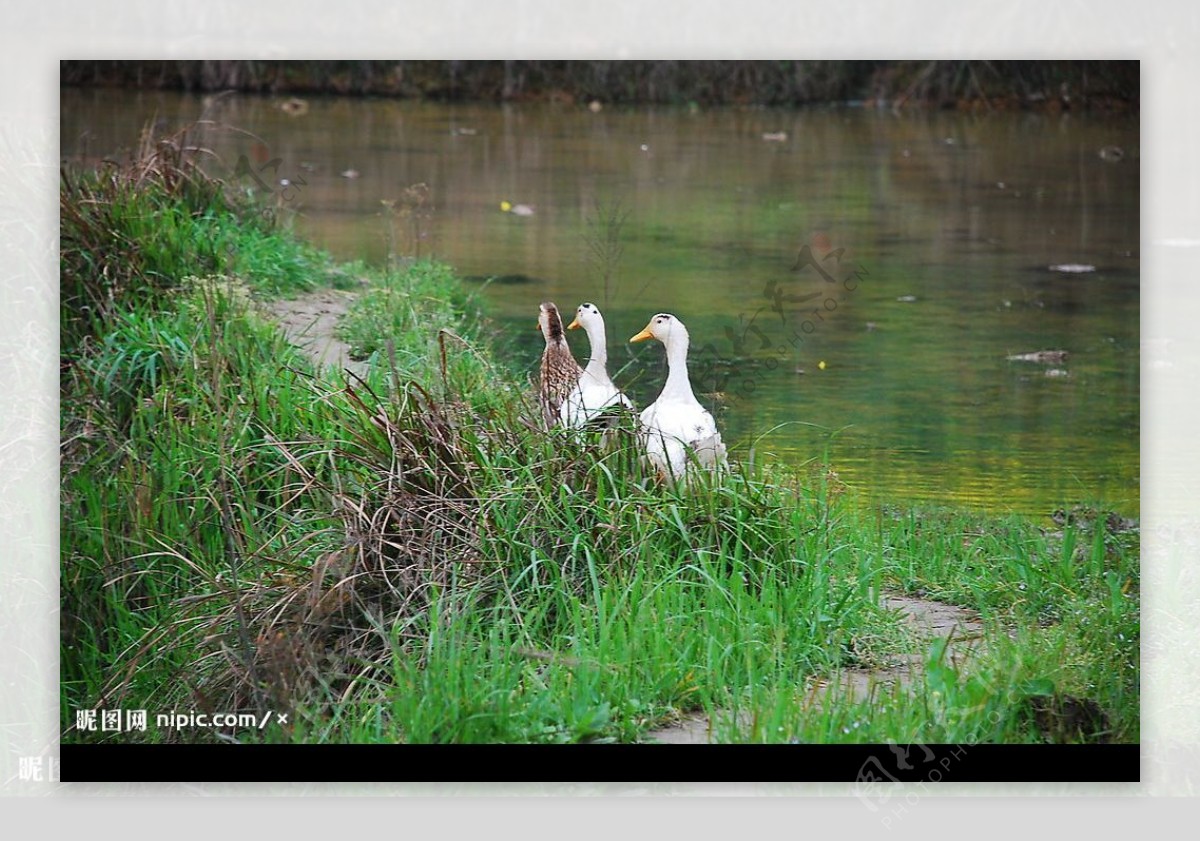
x=928 y=620
x=309 y=322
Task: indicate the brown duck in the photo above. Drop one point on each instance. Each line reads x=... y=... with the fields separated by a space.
x=559 y=391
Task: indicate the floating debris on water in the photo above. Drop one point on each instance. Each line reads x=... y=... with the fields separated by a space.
x=776 y=137
x=1040 y=357
x=1072 y=268
x=349 y=173
x=1089 y=516
x=516 y=210
x=907 y=299
x=294 y=107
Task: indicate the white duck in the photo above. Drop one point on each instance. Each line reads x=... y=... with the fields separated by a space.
x=596 y=389
x=676 y=423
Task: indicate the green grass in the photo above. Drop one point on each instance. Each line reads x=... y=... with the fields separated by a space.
x=131 y=234
x=409 y=558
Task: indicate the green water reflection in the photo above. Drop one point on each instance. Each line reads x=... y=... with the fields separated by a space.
x=950 y=220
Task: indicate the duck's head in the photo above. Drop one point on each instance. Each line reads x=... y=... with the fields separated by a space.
x=587 y=315
x=549 y=321
x=663 y=327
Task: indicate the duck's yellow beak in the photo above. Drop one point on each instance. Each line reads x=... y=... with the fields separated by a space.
x=574 y=324
x=643 y=336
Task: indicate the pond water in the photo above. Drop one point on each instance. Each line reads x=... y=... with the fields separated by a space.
x=854 y=281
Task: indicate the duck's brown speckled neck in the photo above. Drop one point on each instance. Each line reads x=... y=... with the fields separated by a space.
x=554 y=320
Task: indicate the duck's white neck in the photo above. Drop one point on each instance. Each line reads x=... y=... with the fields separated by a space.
x=598 y=362
x=677 y=385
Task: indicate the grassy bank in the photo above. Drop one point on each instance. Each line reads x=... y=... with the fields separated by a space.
x=408 y=558
x=986 y=84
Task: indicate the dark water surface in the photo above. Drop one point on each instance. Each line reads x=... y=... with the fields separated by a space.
x=935 y=233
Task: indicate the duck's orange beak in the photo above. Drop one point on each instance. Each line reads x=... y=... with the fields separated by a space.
x=574 y=324
x=537 y=326
x=643 y=336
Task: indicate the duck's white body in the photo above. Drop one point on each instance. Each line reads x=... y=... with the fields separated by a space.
x=676 y=423
x=596 y=392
